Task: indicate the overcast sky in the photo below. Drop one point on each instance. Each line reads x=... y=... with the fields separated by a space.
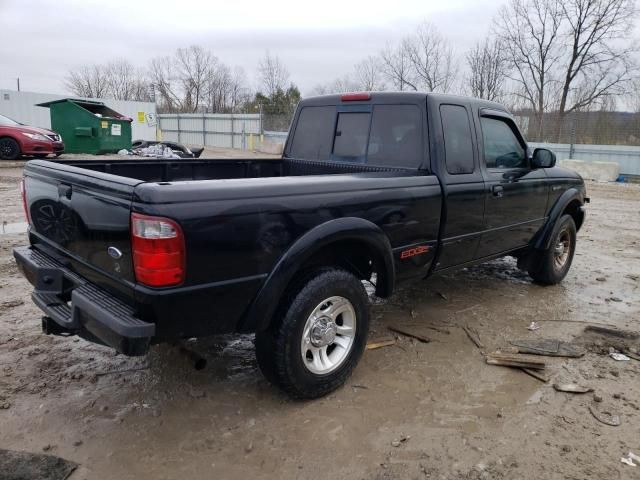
x=41 y=40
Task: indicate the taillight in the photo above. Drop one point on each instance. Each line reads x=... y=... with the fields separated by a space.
x=355 y=97
x=158 y=250
x=23 y=193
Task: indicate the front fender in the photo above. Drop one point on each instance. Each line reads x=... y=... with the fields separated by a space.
x=260 y=312
x=542 y=239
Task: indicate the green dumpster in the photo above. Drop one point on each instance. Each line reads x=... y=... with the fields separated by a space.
x=89 y=127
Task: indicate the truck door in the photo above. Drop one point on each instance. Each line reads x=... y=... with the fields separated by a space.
x=463 y=185
x=515 y=195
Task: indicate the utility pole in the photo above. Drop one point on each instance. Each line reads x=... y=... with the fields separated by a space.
x=18 y=81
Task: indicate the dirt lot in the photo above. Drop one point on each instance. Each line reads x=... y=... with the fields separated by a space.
x=413 y=410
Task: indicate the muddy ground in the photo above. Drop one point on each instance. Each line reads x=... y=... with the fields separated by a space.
x=412 y=410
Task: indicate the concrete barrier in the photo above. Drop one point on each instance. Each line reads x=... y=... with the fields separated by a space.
x=271 y=147
x=599 y=171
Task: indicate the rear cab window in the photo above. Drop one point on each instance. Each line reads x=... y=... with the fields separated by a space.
x=384 y=135
x=313 y=136
x=352 y=133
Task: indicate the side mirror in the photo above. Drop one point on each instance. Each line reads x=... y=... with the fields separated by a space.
x=543 y=158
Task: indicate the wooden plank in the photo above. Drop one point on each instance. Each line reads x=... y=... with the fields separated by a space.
x=410 y=333
x=473 y=335
x=383 y=343
x=511 y=360
x=430 y=327
x=536 y=375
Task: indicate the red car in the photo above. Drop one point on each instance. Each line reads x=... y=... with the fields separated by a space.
x=17 y=139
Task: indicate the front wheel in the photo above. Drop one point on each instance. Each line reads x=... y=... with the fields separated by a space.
x=555 y=262
x=9 y=149
x=318 y=336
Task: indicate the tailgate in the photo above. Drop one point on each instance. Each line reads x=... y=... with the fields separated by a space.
x=83 y=213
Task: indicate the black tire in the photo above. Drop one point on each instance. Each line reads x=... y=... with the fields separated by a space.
x=279 y=350
x=9 y=149
x=553 y=264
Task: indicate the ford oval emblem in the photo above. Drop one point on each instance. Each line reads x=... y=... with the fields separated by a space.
x=114 y=252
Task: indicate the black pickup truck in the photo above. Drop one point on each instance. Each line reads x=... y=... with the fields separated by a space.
x=377 y=187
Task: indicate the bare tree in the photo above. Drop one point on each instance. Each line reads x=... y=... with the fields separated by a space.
x=227 y=89
x=598 y=64
x=530 y=31
x=192 y=80
x=368 y=75
x=88 y=81
x=397 y=66
x=195 y=65
x=166 y=84
x=339 y=85
x=239 y=91
x=487 y=69
x=273 y=75
x=431 y=59
x=125 y=82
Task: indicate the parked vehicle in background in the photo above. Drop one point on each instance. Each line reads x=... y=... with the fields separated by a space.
x=378 y=187
x=17 y=139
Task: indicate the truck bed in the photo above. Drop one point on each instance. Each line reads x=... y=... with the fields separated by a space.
x=152 y=170
x=238 y=218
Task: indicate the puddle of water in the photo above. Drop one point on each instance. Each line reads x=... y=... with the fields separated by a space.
x=8 y=228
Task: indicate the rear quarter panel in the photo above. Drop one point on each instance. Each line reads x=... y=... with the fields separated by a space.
x=236 y=230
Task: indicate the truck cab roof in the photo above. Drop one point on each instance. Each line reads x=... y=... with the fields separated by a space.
x=402 y=97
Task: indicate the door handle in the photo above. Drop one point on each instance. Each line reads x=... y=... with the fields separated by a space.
x=497 y=190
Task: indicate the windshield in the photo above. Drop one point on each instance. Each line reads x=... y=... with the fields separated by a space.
x=6 y=121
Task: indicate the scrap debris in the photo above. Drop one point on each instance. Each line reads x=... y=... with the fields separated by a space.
x=533 y=326
x=605 y=417
x=632 y=355
x=474 y=336
x=571 y=388
x=374 y=345
x=20 y=465
x=548 y=348
x=535 y=374
x=613 y=332
x=510 y=360
x=430 y=327
x=619 y=357
x=410 y=333
x=168 y=150
x=400 y=441
x=630 y=458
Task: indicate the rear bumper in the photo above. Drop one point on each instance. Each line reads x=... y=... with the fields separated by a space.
x=79 y=307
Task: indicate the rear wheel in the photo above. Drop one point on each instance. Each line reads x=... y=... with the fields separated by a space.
x=9 y=149
x=318 y=336
x=555 y=262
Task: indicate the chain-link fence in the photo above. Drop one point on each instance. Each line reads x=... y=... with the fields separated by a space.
x=280 y=122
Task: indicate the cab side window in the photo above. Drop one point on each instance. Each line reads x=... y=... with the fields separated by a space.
x=396 y=136
x=457 y=139
x=502 y=149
